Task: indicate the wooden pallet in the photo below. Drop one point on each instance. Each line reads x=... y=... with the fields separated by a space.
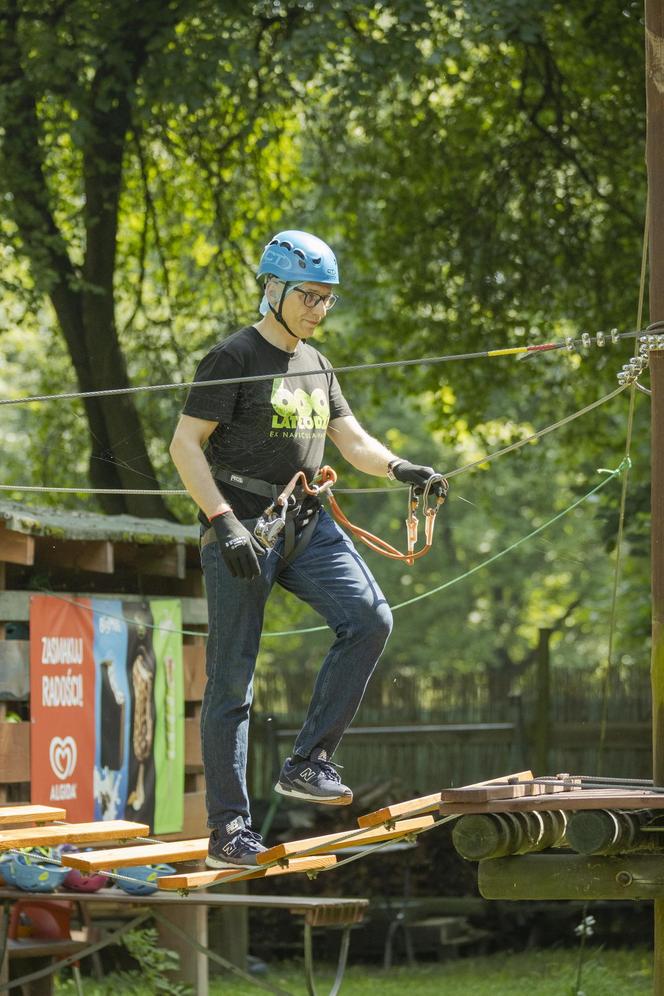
x=72 y=833
x=12 y=815
x=186 y=881
x=425 y=803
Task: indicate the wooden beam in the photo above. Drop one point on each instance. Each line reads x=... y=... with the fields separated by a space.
x=201 y=880
x=572 y=876
x=161 y=559
x=72 y=833
x=15 y=606
x=195 y=818
x=347 y=838
x=14 y=752
x=193 y=757
x=27 y=813
x=491 y=793
x=426 y=803
x=83 y=555
x=142 y=854
x=15 y=547
x=564 y=801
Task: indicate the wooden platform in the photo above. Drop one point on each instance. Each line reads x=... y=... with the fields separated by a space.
x=592 y=798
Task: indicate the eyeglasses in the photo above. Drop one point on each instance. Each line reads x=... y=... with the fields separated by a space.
x=312 y=300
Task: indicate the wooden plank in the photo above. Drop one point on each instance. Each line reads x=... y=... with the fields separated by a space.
x=489 y=793
x=16 y=548
x=162 y=559
x=72 y=833
x=14 y=670
x=30 y=814
x=567 y=801
x=193 y=661
x=426 y=803
x=142 y=854
x=82 y=555
x=15 y=606
x=14 y=752
x=200 y=880
x=348 y=838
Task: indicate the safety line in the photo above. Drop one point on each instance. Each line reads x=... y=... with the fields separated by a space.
x=625 y=463
x=613 y=611
x=351 y=368
x=448 y=474
x=417 y=598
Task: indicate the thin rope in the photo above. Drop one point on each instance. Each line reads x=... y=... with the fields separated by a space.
x=417 y=598
x=485 y=563
x=351 y=368
x=533 y=437
x=613 y=612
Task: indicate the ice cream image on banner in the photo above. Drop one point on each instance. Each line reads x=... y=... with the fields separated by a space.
x=112 y=697
x=142 y=727
x=141 y=668
x=112 y=718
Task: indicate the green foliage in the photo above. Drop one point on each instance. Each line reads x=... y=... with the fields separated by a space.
x=154 y=961
x=479 y=169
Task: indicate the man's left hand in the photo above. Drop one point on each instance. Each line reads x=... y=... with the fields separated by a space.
x=414 y=473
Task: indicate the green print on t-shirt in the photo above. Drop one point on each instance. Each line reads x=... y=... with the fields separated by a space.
x=298 y=410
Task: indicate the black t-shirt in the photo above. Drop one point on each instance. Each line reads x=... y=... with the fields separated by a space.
x=268 y=429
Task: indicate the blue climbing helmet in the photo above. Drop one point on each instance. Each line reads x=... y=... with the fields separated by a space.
x=295 y=256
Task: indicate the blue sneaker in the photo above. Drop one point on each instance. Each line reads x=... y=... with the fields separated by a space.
x=234 y=846
x=315 y=779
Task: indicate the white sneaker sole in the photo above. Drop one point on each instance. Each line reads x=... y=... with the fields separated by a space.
x=216 y=865
x=338 y=800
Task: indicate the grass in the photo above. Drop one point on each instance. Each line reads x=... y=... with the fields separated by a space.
x=547 y=972
x=537 y=973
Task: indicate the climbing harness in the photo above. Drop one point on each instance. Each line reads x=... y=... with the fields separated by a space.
x=280 y=516
x=274 y=519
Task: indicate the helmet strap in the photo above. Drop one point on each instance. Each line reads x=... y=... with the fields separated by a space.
x=278 y=312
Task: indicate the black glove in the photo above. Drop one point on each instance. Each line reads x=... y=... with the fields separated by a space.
x=414 y=473
x=238 y=546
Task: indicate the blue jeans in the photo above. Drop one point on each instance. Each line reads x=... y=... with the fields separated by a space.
x=331 y=577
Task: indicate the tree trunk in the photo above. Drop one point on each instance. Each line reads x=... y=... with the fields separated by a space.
x=85 y=308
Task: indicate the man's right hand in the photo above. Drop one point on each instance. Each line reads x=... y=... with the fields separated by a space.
x=238 y=547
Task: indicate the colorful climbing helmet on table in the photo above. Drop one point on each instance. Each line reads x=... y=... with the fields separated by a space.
x=34 y=872
x=146 y=878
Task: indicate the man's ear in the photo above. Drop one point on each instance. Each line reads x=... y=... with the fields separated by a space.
x=273 y=291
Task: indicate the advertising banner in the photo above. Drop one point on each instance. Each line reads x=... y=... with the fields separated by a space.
x=62 y=704
x=131 y=756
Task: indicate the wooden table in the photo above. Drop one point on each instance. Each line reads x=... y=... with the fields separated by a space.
x=166 y=910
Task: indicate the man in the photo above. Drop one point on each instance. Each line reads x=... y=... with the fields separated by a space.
x=235 y=446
